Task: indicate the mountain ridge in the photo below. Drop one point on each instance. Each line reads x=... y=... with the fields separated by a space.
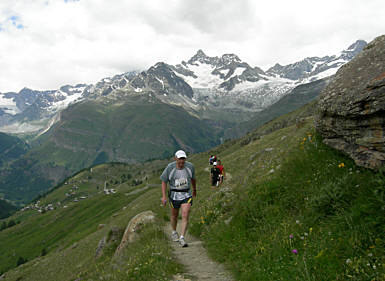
x=209 y=83
x=117 y=120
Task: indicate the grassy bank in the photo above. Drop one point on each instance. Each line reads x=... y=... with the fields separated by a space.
x=290 y=208
x=61 y=244
x=307 y=214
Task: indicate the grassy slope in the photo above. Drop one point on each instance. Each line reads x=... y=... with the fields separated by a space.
x=11 y=148
x=91 y=133
x=70 y=235
x=129 y=132
x=333 y=212
x=6 y=209
x=282 y=184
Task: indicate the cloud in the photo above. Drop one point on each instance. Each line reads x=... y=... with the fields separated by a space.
x=11 y=22
x=49 y=43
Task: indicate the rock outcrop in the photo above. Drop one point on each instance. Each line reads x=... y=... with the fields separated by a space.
x=133 y=226
x=351 y=109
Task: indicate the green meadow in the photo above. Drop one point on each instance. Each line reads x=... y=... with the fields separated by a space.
x=290 y=208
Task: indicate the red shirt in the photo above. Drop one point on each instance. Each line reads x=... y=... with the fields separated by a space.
x=220 y=167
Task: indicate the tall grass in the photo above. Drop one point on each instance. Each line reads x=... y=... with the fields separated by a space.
x=318 y=217
x=148 y=258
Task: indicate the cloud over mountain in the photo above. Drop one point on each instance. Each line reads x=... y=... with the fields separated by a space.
x=48 y=43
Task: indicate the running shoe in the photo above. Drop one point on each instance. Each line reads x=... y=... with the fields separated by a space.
x=182 y=242
x=175 y=236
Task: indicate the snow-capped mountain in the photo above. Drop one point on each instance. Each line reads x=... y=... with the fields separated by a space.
x=223 y=72
x=228 y=83
x=106 y=86
x=36 y=111
x=31 y=110
x=201 y=85
x=314 y=68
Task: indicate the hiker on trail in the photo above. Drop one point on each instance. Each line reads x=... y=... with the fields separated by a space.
x=214 y=175
x=222 y=175
x=212 y=159
x=181 y=177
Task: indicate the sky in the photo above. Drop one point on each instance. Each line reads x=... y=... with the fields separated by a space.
x=45 y=44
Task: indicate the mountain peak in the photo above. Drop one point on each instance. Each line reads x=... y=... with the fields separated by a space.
x=228 y=58
x=159 y=64
x=358 y=45
x=353 y=49
x=200 y=53
x=201 y=57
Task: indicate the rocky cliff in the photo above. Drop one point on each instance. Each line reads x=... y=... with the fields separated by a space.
x=351 y=108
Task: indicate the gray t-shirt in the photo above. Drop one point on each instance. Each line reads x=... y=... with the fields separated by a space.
x=179 y=179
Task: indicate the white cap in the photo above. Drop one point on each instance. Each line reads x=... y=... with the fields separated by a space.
x=215 y=163
x=180 y=154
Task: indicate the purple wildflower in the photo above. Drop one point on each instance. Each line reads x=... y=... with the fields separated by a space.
x=295 y=251
x=291 y=236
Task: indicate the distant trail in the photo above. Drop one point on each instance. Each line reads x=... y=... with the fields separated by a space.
x=142 y=189
x=198 y=265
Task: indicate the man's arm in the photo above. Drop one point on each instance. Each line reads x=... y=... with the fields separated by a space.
x=194 y=187
x=164 y=192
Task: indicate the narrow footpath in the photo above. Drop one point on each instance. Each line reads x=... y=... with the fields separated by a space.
x=196 y=261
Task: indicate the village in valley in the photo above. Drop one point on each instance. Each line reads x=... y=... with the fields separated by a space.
x=82 y=187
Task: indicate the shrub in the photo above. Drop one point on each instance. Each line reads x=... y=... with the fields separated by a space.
x=21 y=261
x=11 y=223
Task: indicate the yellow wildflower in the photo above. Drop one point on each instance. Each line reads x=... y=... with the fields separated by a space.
x=319 y=254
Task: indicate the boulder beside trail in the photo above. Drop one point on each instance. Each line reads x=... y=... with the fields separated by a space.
x=351 y=109
x=133 y=226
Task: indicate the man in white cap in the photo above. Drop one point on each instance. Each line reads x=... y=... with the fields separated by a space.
x=180 y=174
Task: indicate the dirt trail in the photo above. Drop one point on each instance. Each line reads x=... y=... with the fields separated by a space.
x=196 y=261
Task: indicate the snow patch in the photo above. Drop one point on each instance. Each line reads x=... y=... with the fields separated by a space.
x=316 y=65
x=160 y=80
x=238 y=71
x=64 y=103
x=321 y=75
x=340 y=61
x=205 y=78
x=245 y=85
x=224 y=71
x=54 y=120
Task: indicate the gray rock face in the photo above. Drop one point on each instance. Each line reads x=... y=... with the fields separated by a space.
x=351 y=114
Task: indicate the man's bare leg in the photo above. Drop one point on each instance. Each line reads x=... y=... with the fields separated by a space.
x=174 y=218
x=185 y=216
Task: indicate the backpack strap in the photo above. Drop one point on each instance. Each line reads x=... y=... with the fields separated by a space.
x=171 y=174
x=188 y=171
